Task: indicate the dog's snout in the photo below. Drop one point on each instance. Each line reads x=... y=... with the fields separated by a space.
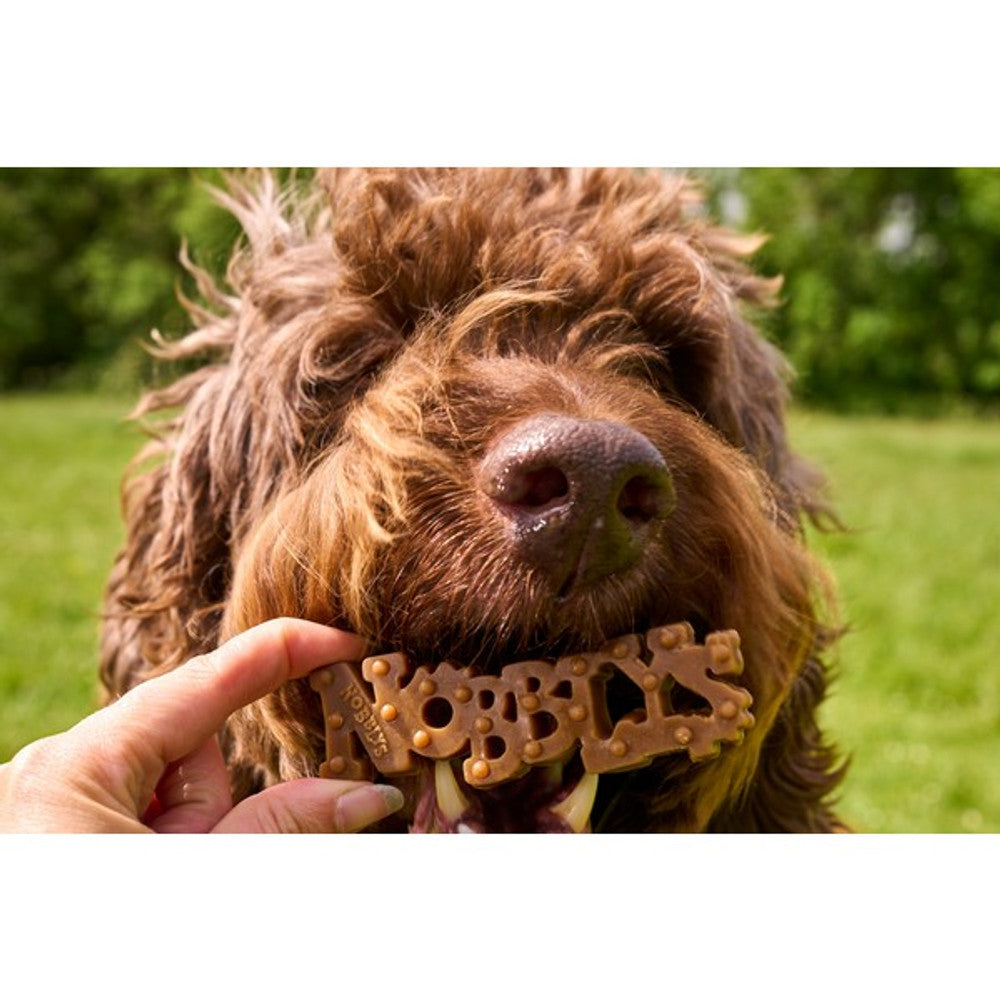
x=582 y=497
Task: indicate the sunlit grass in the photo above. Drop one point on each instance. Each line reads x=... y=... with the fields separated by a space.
x=61 y=458
x=917 y=703
x=918 y=700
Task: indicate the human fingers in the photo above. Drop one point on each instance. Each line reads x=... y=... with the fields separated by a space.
x=47 y=787
x=313 y=805
x=194 y=793
x=166 y=718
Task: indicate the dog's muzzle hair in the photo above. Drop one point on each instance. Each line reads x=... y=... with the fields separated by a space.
x=484 y=416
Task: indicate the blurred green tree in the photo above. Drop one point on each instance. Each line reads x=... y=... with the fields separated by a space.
x=891 y=295
x=891 y=298
x=88 y=266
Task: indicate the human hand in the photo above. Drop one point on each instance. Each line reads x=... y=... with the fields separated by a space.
x=160 y=739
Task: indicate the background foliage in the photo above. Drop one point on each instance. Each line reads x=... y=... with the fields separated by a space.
x=88 y=266
x=891 y=292
x=891 y=298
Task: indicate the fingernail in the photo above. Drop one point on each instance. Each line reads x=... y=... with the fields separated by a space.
x=363 y=806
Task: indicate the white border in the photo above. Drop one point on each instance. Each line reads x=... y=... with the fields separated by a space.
x=539 y=916
x=633 y=83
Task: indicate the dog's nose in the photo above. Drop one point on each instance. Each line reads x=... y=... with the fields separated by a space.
x=582 y=497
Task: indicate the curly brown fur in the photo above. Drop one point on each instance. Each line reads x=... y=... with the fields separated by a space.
x=378 y=336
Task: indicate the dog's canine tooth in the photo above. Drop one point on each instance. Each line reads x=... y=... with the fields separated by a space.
x=575 y=808
x=452 y=803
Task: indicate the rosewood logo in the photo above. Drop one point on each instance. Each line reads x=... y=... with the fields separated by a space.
x=365 y=719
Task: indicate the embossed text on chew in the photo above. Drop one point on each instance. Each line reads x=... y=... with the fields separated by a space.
x=535 y=712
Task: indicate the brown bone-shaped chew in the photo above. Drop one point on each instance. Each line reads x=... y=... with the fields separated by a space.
x=535 y=712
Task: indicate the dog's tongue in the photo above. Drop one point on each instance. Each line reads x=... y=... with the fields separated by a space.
x=539 y=802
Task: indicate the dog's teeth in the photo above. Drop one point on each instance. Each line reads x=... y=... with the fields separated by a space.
x=575 y=808
x=452 y=803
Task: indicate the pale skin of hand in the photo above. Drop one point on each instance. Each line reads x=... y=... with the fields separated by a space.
x=160 y=738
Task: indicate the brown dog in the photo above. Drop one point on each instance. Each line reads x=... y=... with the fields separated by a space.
x=483 y=416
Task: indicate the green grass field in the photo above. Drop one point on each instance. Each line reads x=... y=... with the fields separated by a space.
x=62 y=459
x=917 y=703
x=918 y=700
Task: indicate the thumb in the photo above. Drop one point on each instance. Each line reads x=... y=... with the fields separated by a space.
x=312 y=805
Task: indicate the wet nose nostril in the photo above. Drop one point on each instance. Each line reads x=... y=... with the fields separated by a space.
x=536 y=488
x=643 y=500
x=580 y=499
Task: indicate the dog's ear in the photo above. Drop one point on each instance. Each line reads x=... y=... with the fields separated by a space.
x=273 y=367
x=163 y=593
x=798 y=769
x=747 y=404
x=720 y=363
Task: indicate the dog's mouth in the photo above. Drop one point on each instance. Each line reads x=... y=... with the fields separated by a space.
x=534 y=737
x=556 y=798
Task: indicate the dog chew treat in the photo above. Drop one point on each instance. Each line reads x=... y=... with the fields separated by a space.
x=386 y=715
